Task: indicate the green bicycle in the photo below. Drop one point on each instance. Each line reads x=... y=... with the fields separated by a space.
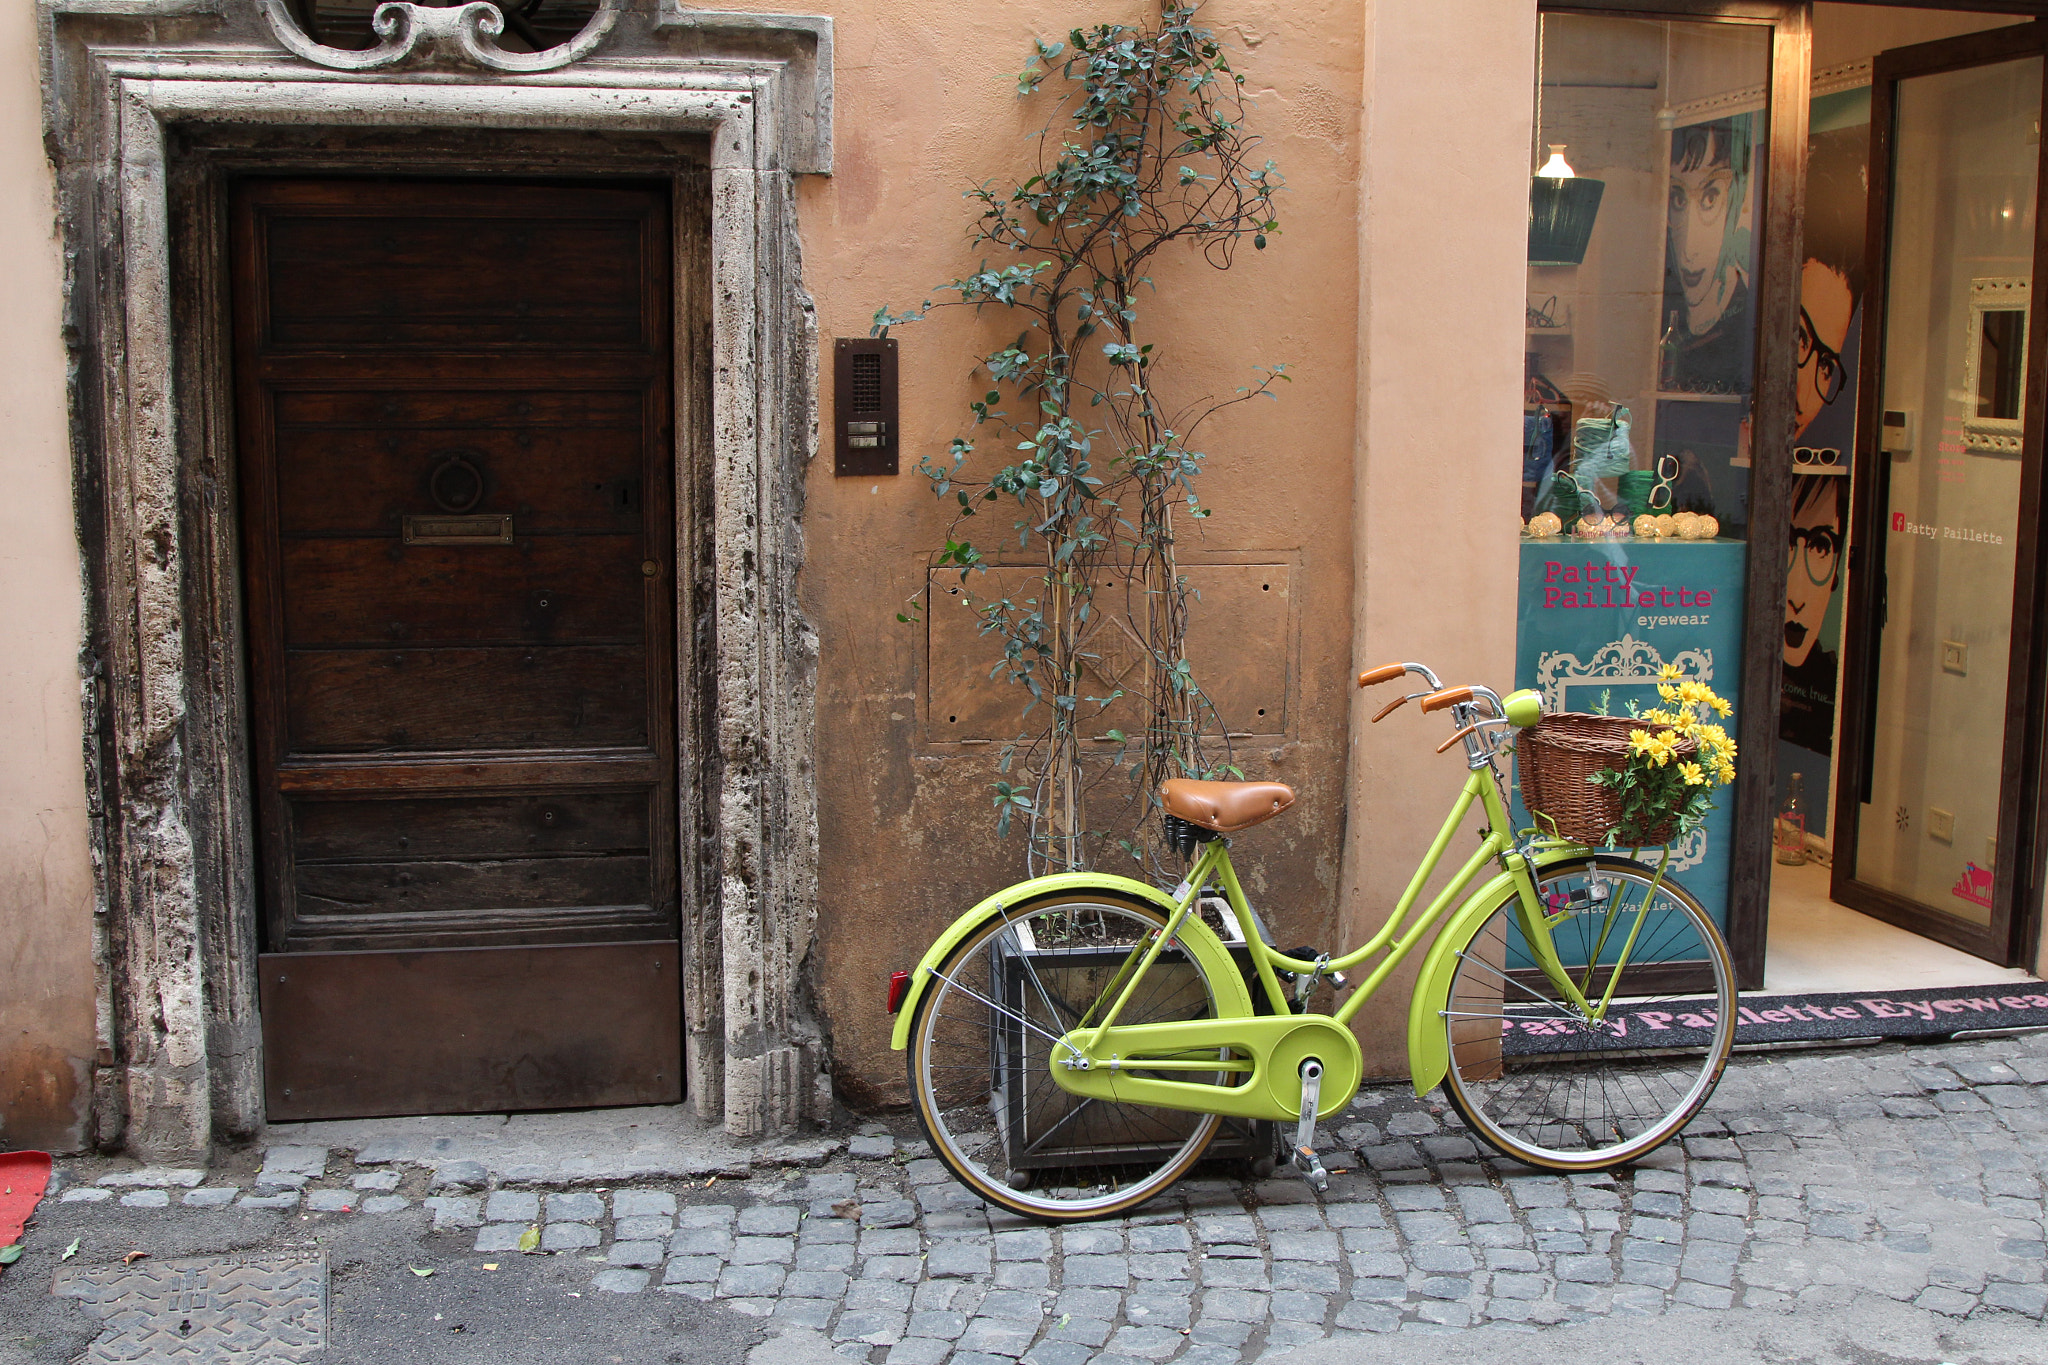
x=1076 y=1041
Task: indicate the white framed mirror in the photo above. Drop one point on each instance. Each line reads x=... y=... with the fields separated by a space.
x=1995 y=366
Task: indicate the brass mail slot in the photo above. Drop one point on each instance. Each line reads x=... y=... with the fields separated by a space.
x=470 y=530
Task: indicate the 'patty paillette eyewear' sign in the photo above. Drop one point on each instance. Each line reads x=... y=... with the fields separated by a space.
x=1598 y=619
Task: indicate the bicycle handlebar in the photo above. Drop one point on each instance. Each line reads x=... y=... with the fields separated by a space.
x=1373 y=677
x=1464 y=703
x=1391 y=707
x=1447 y=697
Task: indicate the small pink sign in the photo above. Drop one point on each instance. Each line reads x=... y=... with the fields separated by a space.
x=1974 y=885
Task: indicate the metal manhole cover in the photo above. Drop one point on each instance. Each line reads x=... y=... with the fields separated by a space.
x=229 y=1309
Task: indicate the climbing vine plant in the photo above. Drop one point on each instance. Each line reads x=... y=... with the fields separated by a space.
x=1085 y=433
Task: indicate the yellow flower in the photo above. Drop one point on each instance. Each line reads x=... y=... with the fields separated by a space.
x=1667 y=691
x=1721 y=708
x=1670 y=672
x=1639 y=741
x=1725 y=773
x=1658 y=746
x=1692 y=774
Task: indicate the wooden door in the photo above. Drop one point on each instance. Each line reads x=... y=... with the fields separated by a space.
x=455 y=438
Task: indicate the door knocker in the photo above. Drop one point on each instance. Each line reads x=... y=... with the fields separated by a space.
x=457 y=485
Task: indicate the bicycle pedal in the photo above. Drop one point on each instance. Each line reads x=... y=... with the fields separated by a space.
x=1311 y=1167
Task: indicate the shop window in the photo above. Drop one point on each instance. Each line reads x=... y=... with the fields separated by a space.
x=1646 y=210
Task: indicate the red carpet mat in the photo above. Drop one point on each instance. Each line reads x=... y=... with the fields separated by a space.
x=23 y=1178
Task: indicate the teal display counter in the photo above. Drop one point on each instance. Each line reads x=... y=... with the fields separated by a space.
x=1601 y=618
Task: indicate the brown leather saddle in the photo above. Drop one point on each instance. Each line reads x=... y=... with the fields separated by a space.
x=1225 y=807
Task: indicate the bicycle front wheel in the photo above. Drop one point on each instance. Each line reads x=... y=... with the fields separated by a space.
x=1557 y=1086
x=981 y=1057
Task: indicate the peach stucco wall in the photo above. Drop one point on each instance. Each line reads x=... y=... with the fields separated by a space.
x=46 y=970
x=1442 y=242
x=926 y=105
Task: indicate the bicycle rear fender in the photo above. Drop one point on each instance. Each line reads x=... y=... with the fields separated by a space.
x=1429 y=1052
x=1232 y=998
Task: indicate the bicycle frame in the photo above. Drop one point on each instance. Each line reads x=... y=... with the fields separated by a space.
x=1262 y=1053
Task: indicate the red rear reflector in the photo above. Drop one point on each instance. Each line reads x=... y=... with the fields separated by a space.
x=899 y=986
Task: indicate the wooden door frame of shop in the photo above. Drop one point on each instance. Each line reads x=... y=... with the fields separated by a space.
x=1775 y=410
x=2022 y=824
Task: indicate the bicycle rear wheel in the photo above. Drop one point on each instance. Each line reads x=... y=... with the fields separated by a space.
x=980 y=1060
x=1538 y=1078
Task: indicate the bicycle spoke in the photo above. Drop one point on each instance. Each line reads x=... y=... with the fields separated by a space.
x=1046 y=1136
x=982 y=1060
x=1032 y=972
x=979 y=998
x=1578 y=1097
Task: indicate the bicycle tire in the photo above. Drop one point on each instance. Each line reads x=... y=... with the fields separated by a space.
x=979 y=1062
x=1575 y=1094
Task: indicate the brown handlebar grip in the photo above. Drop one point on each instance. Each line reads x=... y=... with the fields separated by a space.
x=1391 y=707
x=1373 y=677
x=1450 y=696
x=1455 y=738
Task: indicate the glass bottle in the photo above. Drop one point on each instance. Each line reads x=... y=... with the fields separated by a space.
x=1790 y=836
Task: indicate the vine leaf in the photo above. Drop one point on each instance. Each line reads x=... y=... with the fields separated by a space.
x=1146 y=148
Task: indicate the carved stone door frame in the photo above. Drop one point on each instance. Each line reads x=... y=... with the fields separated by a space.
x=124 y=81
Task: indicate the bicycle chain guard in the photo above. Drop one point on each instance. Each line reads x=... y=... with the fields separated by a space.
x=1272 y=1048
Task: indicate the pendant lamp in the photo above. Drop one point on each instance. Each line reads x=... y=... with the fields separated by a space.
x=1562 y=205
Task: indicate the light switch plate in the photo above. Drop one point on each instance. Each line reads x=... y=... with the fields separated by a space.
x=1896 y=432
x=1941 y=824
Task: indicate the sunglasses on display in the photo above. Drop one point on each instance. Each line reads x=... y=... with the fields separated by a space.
x=1817 y=458
x=1667 y=475
x=1545 y=317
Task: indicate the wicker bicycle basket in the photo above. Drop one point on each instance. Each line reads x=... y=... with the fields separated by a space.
x=1553 y=759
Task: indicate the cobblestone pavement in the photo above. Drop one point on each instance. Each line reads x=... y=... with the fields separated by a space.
x=1910 y=1172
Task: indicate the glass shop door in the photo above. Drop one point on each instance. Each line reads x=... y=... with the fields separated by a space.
x=1941 y=681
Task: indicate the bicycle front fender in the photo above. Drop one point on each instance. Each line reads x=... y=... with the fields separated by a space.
x=1232 y=998
x=1429 y=1051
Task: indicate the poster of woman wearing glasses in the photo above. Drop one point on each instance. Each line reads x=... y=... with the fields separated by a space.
x=1709 y=257
x=1831 y=285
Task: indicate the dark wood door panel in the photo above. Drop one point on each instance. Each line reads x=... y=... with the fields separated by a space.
x=467 y=826
x=348 y=281
x=427 y=887
x=558 y=590
x=464 y=753
x=517 y=697
x=360 y=480
x=567 y=866
x=453 y=267
x=430 y=774
x=356 y=1035
x=439 y=402
x=370 y=929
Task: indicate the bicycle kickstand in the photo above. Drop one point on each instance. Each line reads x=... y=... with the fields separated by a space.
x=1305 y=1159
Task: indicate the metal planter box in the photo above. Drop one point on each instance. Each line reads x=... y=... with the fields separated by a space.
x=1045 y=1128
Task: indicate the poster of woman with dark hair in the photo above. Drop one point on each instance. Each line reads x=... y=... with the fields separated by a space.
x=1831 y=284
x=1709 y=256
x=1806 y=708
